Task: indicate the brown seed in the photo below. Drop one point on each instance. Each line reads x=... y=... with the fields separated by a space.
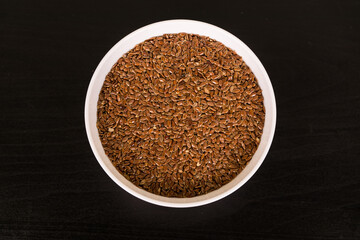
x=207 y=91
x=187 y=111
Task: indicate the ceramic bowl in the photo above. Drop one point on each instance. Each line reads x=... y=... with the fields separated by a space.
x=177 y=26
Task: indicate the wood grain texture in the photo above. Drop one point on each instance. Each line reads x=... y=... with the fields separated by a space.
x=51 y=186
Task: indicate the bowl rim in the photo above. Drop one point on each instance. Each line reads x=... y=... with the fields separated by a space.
x=166 y=203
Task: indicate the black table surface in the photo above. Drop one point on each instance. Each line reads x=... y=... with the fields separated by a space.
x=52 y=187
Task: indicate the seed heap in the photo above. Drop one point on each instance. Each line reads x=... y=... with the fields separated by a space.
x=180 y=115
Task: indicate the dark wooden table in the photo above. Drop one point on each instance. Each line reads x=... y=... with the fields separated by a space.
x=51 y=186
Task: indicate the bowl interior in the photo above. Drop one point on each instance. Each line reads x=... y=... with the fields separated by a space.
x=177 y=26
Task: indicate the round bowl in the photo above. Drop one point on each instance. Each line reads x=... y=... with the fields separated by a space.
x=177 y=26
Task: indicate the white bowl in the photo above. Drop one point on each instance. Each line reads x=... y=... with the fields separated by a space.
x=177 y=26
